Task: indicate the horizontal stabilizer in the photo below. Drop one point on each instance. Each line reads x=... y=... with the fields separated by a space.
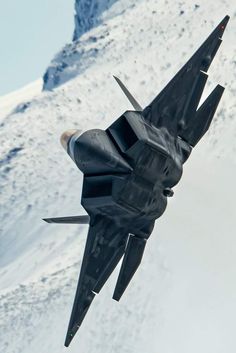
x=194 y=98
x=110 y=268
x=132 y=100
x=69 y=220
x=203 y=117
x=131 y=261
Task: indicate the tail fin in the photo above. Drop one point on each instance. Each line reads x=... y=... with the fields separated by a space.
x=132 y=100
x=69 y=220
x=131 y=261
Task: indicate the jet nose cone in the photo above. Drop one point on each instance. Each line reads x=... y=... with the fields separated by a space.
x=65 y=137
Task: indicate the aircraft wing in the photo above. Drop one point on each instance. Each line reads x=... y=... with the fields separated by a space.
x=178 y=101
x=104 y=248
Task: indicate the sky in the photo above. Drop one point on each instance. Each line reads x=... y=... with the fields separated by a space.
x=31 y=32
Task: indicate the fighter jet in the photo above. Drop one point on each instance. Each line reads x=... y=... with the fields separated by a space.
x=130 y=170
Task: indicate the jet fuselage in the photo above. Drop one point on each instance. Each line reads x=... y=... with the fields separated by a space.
x=129 y=169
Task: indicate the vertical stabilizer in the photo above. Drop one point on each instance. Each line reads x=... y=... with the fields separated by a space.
x=131 y=98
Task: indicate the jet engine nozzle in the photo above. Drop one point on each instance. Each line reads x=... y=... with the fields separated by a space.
x=68 y=139
x=65 y=137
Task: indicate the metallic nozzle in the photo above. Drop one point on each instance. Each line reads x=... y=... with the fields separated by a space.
x=65 y=137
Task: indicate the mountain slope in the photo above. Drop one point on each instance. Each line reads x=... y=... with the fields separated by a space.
x=9 y=101
x=183 y=297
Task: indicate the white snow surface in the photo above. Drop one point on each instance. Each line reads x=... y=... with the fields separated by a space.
x=183 y=297
x=9 y=101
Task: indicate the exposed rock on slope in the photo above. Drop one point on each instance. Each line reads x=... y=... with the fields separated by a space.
x=87 y=14
x=78 y=55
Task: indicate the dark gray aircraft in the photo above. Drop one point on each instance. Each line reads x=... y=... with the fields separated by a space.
x=130 y=170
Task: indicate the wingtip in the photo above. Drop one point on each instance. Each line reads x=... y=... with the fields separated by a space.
x=220 y=88
x=46 y=220
x=68 y=341
x=222 y=25
x=117 y=295
x=70 y=335
x=226 y=19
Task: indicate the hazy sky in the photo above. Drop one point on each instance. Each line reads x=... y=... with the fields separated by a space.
x=31 y=32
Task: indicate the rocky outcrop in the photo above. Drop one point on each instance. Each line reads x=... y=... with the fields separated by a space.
x=66 y=64
x=87 y=14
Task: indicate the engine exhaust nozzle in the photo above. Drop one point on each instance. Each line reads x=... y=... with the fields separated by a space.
x=65 y=138
x=68 y=140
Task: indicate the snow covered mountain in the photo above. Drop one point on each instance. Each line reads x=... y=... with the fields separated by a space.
x=20 y=97
x=88 y=14
x=76 y=56
x=182 y=298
